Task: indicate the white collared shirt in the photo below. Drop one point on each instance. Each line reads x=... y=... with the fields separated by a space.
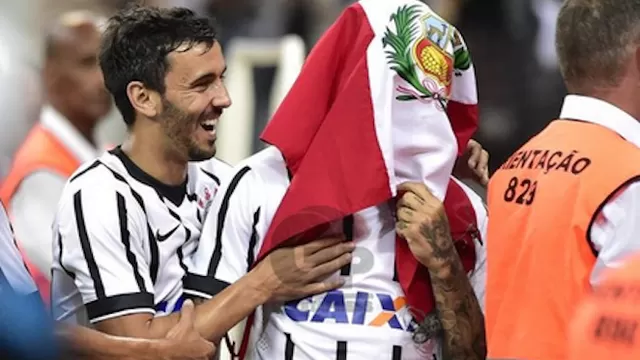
x=614 y=234
x=35 y=202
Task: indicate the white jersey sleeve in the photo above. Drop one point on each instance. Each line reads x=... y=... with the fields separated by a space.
x=13 y=271
x=227 y=245
x=100 y=231
x=478 y=276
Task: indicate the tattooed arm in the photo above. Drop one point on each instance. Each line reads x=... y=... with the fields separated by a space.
x=423 y=223
x=457 y=305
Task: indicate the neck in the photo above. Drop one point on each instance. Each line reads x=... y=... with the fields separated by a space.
x=84 y=125
x=623 y=97
x=150 y=155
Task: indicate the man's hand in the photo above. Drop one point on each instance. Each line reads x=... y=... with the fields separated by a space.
x=421 y=220
x=301 y=271
x=473 y=164
x=183 y=342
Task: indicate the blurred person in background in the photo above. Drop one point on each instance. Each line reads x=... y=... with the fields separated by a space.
x=606 y=322
x=27 y=333
x=20 y=85
x=76 y=100
x=567 y=202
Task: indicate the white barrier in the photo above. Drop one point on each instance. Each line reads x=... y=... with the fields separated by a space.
x=236 y=128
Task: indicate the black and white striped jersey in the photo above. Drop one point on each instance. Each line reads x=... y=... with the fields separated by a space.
x=365 y=319
x=121 y=238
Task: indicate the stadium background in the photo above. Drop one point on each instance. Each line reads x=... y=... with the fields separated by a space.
x=511 y=43
x=265 y=42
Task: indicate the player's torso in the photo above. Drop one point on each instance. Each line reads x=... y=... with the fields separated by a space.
x=173 y=217
x=365 y=319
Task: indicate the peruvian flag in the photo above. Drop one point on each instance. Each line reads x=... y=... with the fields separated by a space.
x=387 y=95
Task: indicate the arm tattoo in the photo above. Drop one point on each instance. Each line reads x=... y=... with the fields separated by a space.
x=457 y=306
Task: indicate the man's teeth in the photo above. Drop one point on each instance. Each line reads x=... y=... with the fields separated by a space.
x=209 y=125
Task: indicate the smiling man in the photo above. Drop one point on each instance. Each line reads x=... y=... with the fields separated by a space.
x=127 y=221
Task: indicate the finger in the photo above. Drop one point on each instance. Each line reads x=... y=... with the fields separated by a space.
x=483 y=160
x=322 y=243
x=419 y=189
x=475 y=152
x=405 y=215
x=322 y=287
x=327 y=254
x=411 y=201
x=328 y=268
x=484 y=181
x=187 y=314
x=401 y=228
x=211 y=352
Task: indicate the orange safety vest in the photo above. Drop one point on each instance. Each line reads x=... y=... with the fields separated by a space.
x=41 y=150
x=542 y=203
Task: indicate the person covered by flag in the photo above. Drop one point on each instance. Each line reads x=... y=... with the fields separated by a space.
x=363 y=146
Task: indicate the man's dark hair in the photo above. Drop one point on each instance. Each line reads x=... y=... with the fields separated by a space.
x=136 y=43
x=594 y=39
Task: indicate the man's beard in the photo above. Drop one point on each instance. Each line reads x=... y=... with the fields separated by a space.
x=178 y=125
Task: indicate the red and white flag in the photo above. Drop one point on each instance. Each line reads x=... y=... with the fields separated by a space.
x=387 y=95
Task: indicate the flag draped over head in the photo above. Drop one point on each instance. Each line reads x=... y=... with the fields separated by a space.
x=387 y=95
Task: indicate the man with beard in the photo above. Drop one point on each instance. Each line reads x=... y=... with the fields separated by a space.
x=127 y=222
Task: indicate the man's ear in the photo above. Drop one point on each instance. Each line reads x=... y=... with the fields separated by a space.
x=144 y=101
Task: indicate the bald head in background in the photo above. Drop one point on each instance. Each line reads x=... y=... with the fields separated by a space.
x=73 y=80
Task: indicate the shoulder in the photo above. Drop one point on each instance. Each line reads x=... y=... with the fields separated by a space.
x=264 y=167
x=215 y=169
x=96 y=184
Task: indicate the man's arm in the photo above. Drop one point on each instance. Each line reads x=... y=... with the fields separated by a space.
x=423 y=223
x=23 y=304
x=132 y=314
x=183 y=342
x=288 y=273
x=613 y=235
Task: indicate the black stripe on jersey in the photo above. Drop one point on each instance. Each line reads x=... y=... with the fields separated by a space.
x=174 y=215
x=86 y=246
x=203 y=284
x=154 y=264
x=251 y=256
x=115 y=304
x=125 y=237
x=69 y=273
x=153 y=245
x=224 y=207
x=187 y=236
x=288 y=347
x=397 y=353
x=94 y=165
x=395 y=270
x=341 y=350
x=213 y=177
x=347 y=230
